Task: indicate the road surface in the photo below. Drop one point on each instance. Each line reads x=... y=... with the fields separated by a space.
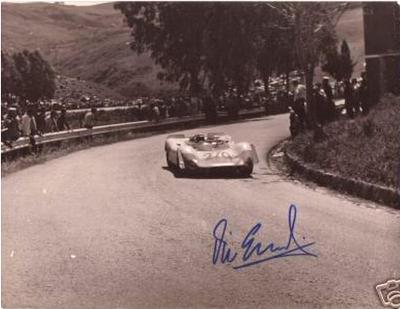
x=111 y=227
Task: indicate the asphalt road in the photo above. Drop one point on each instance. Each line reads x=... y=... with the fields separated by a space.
x=111 y=227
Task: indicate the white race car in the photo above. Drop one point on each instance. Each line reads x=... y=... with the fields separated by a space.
x=208 y=152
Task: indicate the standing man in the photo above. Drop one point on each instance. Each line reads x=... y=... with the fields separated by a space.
x=299 y=101
x=62 y=123
x=89 y=119
x=155 y=110
x=320 y=103
x=25 y=124
x=331 y=109
x=11 y=123
x=349 y=98
x=29 y=127
x=210 y=108
x=364 y=94
x=41 y=120
x=356 y=95
x=28 y=124
x=51 y=122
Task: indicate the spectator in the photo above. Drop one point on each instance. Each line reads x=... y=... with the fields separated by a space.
x=331 y=109
x=232 y=105
x=194 y=105
x=356 y=95
x=349 y=98
x=155 y=112
x=41 y=120
x=210 y=108
x=295 y=124
x=11 y=124
x=320 y=103
x=299 y=101
x=89 y=119
x=25 y=124
x=364 y=94
x=62 y=123
x=143 y=112
x=163 y=110
x=171 y=108
x=28 y=124
x=51 y=122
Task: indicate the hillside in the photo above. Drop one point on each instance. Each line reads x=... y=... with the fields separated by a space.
x=91 y=42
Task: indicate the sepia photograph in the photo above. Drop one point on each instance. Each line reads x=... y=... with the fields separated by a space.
x=200 y=154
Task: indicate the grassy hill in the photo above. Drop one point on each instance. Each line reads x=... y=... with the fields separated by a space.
x=91 y=42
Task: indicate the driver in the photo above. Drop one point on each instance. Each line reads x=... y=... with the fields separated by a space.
x=198 y=138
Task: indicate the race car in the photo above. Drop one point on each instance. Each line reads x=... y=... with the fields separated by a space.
x=209 y=152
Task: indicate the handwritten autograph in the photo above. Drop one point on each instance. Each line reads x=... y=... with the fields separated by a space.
x=256 y=252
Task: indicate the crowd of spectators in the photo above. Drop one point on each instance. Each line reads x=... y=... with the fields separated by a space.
x=356 y=101
x=21 y=118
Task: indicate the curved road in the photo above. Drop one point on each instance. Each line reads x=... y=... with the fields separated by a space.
x=111 y=227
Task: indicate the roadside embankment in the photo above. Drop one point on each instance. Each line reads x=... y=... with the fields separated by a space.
x=360 y=156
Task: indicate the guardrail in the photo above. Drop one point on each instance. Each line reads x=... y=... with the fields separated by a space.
x=22 y=145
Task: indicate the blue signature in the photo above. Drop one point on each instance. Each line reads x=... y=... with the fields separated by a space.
x=256 y=252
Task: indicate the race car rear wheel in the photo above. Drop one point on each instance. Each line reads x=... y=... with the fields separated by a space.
x=246 y=169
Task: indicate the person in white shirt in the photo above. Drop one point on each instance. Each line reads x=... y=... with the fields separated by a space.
x=299 y=100
x=156 y=112
x=25 y=124
x=89 y=118
x=299 y=91
x=28 y=125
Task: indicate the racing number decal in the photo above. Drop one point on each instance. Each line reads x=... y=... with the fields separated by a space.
x=214 y=155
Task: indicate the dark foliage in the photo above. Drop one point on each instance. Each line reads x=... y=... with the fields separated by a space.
x=27 y=75
x=339 y=65
x=211 y=45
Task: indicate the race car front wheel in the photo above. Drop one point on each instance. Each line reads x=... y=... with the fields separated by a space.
x=168 y=161
x=179 y=167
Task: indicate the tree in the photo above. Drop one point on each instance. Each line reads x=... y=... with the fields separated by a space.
x=28 y=76
x=346 y=63
x=22 y=65
x=339 y=65
x=196 y=44
x=10 y=77
x=172 y=32
x=229 y=50
x=43 y=77
x=313 y=25
x=332 y=64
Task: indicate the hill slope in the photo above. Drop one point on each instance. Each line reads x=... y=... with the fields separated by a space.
x=91 y=42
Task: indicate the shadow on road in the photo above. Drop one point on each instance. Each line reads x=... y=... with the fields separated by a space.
x=223 y=174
